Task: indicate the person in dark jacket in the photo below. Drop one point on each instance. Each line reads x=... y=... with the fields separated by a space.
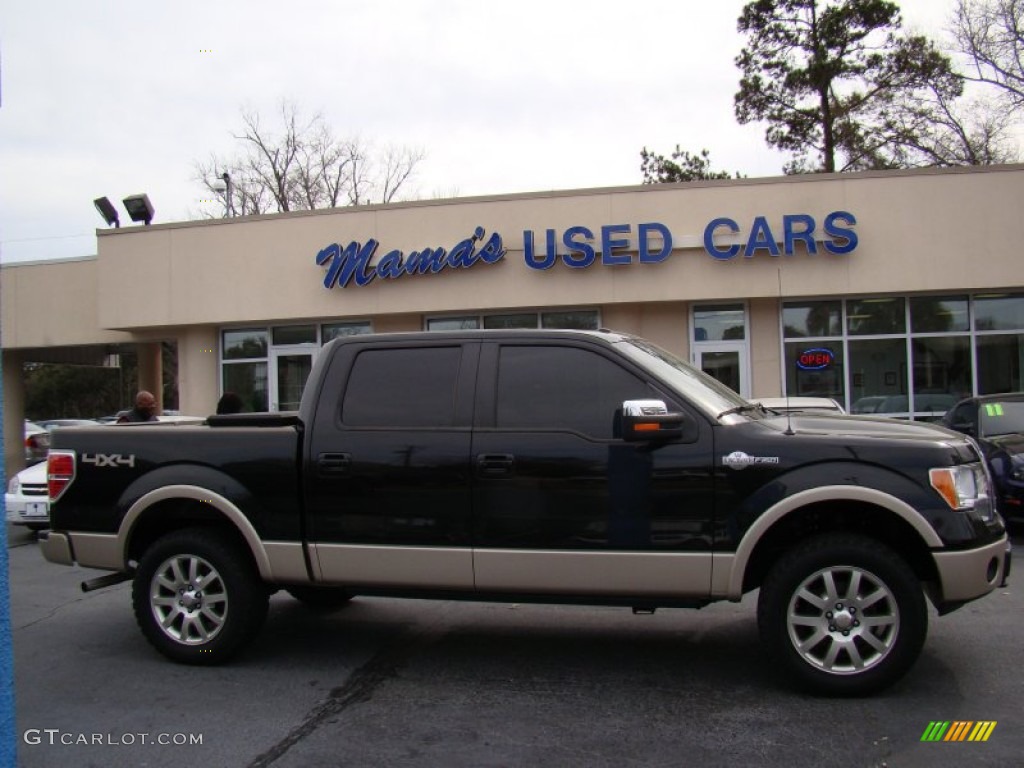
x=229 y=403
x=144 y=410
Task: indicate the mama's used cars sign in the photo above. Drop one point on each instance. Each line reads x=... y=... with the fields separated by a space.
x=580 y=247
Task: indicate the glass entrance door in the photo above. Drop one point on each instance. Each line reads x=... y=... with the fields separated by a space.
x=288 y=373
x=725 y=362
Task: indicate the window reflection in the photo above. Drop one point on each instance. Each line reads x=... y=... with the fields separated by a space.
x=939 y=314
x=719 y=323
x=875 y=316
x=813 y=318
x=878 y=369
x=1003 y=312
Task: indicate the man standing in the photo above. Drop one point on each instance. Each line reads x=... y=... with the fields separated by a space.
x=144 y=410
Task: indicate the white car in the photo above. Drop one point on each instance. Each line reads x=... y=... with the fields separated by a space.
x=27 y=501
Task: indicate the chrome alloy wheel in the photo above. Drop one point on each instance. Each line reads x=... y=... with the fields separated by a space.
x=843 y=620
x=188 y=599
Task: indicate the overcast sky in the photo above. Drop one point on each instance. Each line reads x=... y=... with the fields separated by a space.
x=114 y=98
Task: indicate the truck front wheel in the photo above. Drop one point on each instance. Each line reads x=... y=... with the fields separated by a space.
x=843 y=614
x=197 y=598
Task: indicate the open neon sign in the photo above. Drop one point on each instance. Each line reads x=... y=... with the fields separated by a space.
x=816 y=359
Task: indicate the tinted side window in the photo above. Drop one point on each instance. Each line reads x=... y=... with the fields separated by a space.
x=965 y=414
x=562 y=388
x=402 y=388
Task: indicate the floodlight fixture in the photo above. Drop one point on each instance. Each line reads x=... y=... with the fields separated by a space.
x=222 y=186
x=107 y=211
x=139 y=208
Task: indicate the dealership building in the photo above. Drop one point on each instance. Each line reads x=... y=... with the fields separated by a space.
x=893 y=292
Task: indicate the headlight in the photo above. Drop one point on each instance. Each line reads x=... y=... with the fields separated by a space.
x=963 y=488
x=14 y=486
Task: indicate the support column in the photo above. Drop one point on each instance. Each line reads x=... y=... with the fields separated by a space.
x=198 y=373
x=14 y=412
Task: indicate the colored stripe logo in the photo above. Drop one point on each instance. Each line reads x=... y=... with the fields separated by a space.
x=994 y=409
x=959 y=730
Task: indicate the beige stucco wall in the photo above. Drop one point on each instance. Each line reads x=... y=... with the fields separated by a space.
x=917 y=232
x=765 y=348
x=52 y=304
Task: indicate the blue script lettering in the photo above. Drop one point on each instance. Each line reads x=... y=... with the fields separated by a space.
x=352 y=263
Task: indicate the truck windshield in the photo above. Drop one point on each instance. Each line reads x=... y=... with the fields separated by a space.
x=1001 y=418
x=704 y=391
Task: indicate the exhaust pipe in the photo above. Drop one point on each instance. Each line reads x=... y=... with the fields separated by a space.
x=104 y=581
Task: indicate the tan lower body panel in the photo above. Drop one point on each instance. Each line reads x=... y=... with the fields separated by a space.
x=964 y=575
x=594 y=573
x=373 y=566
x=287 y=564
x=97 y=550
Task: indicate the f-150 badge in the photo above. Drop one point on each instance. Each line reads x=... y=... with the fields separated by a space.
x=741 y=460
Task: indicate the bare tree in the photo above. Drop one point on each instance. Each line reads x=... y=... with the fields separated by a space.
x=303 y=165
x=991 y=34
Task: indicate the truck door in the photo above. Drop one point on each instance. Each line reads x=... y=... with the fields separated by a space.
x=388 y=479
x=561 y=502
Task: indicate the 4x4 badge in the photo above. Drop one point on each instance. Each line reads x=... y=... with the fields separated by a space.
x=741 y=460
x=109 y=459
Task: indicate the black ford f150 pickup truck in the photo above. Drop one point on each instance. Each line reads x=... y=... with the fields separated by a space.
x=548 y=466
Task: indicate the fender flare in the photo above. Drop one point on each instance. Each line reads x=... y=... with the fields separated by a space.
x=223 y=505
x=741 y=557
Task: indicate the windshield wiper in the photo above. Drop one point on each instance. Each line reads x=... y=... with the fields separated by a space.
x=741 y=409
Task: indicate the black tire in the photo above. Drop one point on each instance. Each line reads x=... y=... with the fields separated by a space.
x=197 y=597
x=318 y=598
x=843 y=614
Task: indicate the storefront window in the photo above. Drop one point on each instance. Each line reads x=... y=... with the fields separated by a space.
x=579 y=321
x=942 y=373
x=719 y=323
x=453 y=324
x=878 y=376
x=249 y=382
x=871 y=317
x=938 y=314
x=331 y=331
x=1000 y=362
x=815 y=369
x=294 y=334
x=243 y=344
x=999 y=312
x=511 y=321
x=813 y=318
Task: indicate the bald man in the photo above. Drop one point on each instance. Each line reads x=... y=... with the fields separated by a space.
x=144 y=410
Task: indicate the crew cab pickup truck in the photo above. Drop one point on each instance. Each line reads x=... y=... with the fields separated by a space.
x=547 y=466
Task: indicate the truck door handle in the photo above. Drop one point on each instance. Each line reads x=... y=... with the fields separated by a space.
x=495 y=464
x=333 y=464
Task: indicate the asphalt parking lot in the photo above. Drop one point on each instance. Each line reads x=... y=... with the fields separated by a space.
x=432 y=683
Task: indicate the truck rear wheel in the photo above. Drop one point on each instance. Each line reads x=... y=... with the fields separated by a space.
x=197 y=598
x=843 y=614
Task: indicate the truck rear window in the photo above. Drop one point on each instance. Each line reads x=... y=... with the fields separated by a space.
x=402 y=388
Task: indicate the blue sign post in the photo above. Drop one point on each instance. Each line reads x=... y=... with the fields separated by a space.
x=8 y=752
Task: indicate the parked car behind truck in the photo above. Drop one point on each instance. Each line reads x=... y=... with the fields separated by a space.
x=997 y=423
x=552 y=466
